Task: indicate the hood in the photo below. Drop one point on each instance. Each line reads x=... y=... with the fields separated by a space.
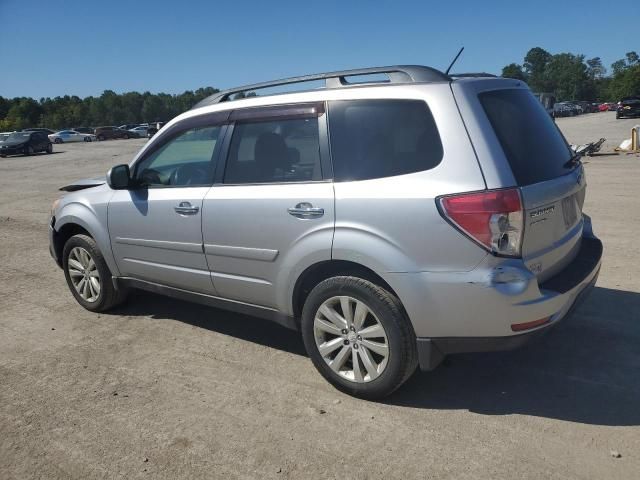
x=82 y=184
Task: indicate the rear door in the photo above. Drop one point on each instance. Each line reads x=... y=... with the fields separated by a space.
x=271 y=208
x=533 y=151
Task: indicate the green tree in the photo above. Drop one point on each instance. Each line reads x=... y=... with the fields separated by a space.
x=513 y=70
x=534 y=66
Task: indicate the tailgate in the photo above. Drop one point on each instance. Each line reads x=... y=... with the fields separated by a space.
x=553 y=223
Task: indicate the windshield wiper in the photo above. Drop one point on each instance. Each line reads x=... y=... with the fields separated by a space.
x=573 y=161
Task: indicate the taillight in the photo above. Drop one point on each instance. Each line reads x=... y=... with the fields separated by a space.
x=493 y=218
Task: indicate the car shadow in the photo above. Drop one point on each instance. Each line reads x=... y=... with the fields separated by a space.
x=251 y=329
x=586 y=370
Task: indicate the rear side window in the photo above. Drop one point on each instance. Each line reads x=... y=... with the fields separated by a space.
x=382 y=138
x=533 y=145
x=286 y=150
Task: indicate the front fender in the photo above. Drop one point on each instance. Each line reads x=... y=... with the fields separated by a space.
x=93 y=220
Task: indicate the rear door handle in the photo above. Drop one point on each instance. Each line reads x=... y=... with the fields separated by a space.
x=306 y=210
x=185 y=208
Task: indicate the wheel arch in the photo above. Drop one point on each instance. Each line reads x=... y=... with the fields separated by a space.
x=77 y=218
x=320 y=271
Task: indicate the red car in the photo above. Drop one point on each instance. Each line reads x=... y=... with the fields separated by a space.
x=603 y=107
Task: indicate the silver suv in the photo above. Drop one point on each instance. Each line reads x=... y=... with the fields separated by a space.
x=392 y=222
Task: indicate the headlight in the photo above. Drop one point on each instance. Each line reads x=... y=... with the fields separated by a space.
x=54 y=205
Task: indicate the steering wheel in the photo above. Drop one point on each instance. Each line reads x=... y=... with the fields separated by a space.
x=188 y=175
x=149 y=176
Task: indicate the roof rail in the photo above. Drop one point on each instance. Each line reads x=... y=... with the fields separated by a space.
x=396 y=73
x=472 y=74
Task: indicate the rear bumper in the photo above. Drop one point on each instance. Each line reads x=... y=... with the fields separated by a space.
x=558 y=297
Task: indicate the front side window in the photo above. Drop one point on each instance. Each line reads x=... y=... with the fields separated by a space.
x=285 y=150
x=184 y=160
x=382 y=138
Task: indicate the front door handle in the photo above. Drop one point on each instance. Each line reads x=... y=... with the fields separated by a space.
x=185 y=208
x=306 y=210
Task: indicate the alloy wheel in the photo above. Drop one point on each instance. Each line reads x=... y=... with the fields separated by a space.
x=351 y=339
x=84 y=274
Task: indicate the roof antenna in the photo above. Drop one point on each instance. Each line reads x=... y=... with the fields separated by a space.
x=454 y=61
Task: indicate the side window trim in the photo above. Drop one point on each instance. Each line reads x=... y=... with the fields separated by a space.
x=217 y=119
x=271 y=113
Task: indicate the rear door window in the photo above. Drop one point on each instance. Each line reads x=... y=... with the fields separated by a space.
x=532 y=143
x=382 y=138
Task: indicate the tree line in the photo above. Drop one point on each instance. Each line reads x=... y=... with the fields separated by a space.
x=109 y=108
x=574 y=77
x=568 y=76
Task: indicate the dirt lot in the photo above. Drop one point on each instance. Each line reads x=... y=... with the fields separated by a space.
x=165 y=389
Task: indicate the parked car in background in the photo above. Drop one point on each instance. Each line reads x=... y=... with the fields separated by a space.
x=140 y=131
x=612 y=106
x=25 y=143
x=153 y=128
x=64 y=136
x=83 y=130
x=128 y=126
x=45 y=130
x=603 y=107
x=563 y=109
x=110 y=133
x=628 y=107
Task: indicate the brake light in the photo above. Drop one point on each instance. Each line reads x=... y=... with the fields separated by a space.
x=493 y=218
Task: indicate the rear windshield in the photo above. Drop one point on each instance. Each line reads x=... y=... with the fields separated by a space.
x=533 y=145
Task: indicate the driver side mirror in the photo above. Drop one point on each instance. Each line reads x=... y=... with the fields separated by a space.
x=119 y=177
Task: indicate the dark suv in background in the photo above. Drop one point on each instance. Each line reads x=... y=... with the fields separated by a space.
x=25 y=143
x=109 y=133
x=628 y=107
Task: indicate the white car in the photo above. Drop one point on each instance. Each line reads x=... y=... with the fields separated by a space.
x=140 y=131
x=65 y=136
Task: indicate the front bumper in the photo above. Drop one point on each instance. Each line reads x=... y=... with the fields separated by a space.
x=52 y=243
x=12 y=150
x=559 y=296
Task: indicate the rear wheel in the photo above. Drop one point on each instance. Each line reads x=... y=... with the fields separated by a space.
x=88 y=276
x=358 y=337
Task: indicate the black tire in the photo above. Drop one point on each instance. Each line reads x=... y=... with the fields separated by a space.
x=109 y=296
x=403 y=355
x=49 y=148
x=57 y=140
x=87 y=139
x=28 y=150
x=101 y=137
x=125 y=136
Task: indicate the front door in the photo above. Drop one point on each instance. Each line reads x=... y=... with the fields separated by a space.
x=156 y=228
x=271 y=210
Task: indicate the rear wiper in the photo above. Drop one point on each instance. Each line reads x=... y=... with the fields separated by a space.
x=573 y=161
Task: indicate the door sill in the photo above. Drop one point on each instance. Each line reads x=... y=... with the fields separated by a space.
x=211 y=301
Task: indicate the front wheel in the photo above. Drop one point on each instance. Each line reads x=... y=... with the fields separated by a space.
x=88 y=275
x=358 y=337
x=49 y=148
x=58 y=140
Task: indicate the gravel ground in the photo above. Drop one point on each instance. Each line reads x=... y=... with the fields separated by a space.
x=166 y=389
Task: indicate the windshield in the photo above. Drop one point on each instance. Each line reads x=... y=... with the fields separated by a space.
x=19 y=136
x=533 y=145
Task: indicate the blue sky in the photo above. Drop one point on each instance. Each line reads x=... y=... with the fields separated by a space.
x=85 y=47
